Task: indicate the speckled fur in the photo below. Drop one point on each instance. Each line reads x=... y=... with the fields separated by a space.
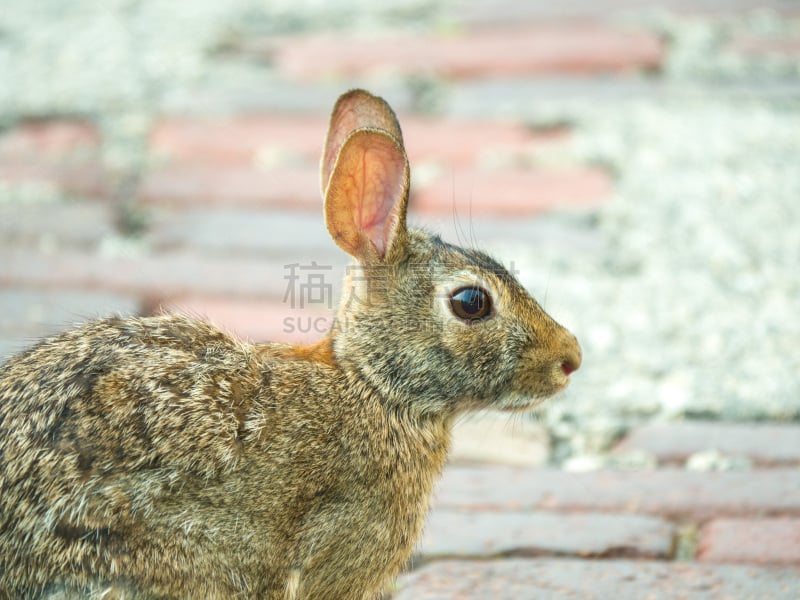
x=146 y=458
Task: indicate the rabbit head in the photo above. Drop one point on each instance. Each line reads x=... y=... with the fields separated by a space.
x=434 y=328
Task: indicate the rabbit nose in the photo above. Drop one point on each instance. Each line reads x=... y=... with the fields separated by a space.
x=572 y=359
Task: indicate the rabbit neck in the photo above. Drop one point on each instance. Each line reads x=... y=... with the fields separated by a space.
x=378 y=375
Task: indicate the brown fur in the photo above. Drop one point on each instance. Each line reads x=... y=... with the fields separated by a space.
x=148 y=458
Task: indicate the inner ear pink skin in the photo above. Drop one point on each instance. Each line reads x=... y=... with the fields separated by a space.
x=366 y=196
x=375 y=212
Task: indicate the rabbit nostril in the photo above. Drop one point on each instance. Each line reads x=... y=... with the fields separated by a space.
x=571 y=359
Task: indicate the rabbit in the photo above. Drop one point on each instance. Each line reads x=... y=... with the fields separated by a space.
x=158 y=457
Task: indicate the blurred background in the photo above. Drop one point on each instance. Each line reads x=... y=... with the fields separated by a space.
x=636 y=162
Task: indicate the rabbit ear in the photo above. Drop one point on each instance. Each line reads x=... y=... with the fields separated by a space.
x=367 y=196
x=356 y=109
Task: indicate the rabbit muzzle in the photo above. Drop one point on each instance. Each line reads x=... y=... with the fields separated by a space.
x=543 y=371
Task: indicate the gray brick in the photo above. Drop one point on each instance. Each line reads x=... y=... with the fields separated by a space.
x=621 y=580
x=221 y=231
x=28 y=315
x=668 y=493
x=35 y=312
x=11 y=345
x=764 y=443
x=525 y=98
x=55 y=225
x=512 y=12
x=469 y=534
x=235 y=87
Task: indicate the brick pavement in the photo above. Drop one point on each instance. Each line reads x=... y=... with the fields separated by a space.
x=624 y=580
x=510 y=532
x=230 y=198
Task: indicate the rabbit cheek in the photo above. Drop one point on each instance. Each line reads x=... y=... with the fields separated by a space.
x=481 y=364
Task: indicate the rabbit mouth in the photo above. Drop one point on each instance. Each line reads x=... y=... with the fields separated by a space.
x=517 y=402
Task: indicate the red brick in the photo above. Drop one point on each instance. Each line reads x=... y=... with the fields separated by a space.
x=241 y=140
x=513 y=193
x=56 y=140
x=61 y=155
x=462 y=142
x=767 y=444
x=668 y=493
x=501 y=52
x=194 y=184
x=471 y=534
x=499 y=192
x=751 y=541
x=553 y=578
x=257 y=321
x=214 y=163
x=252 y=139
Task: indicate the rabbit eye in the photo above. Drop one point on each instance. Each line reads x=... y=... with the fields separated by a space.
x=470 y=304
